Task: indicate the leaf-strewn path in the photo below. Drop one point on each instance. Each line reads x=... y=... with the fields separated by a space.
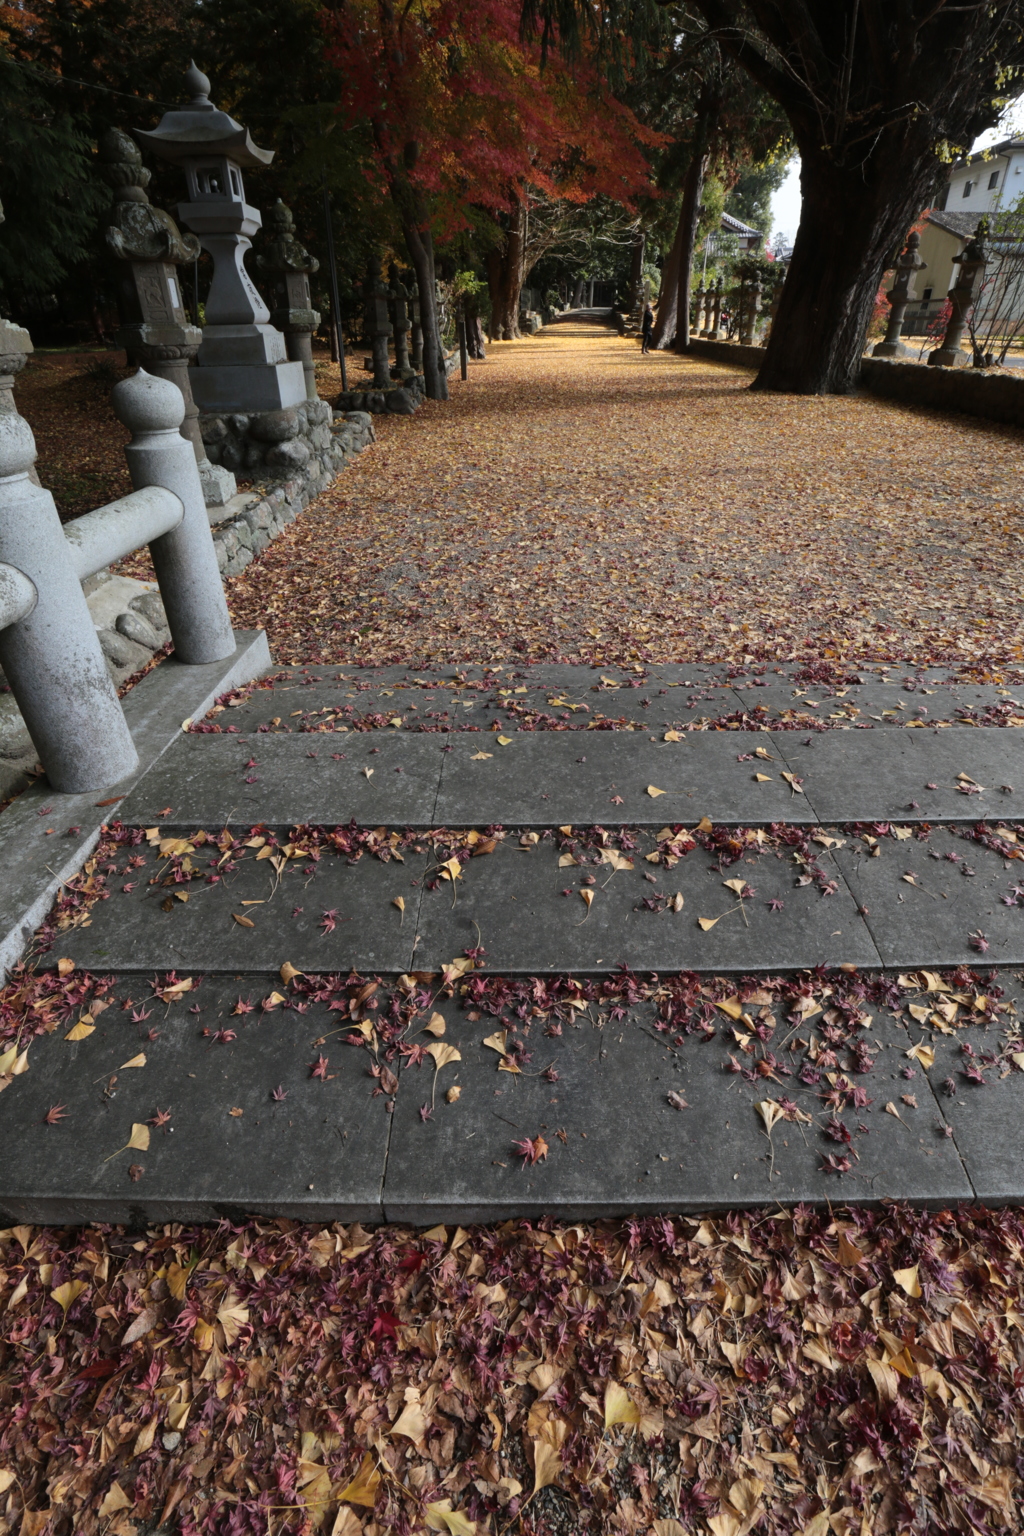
x=577 y=501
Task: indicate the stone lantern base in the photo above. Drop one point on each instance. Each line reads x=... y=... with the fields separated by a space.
x=245 y=368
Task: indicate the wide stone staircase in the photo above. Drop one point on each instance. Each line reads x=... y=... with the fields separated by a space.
x=464 y=945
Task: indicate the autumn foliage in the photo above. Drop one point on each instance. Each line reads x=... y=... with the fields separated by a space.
x=464 y=106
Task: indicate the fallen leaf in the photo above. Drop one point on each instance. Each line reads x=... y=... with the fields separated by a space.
x=547 y=1465
x=709 y=922
x=443 y=1054
x=140 y=1326
x=654 y=791
x=922 y=1053
x=243 y=922
x=770 y=1113
x=454 y=1094
x=65 y=1295
x=138 y=1141
x=891 y=1109
x=236 y=1113
x=441 y=1517
x=496 y=1042
x=114 y=1499
x=619 y=1407
x=907 y=1280
x=479 y=757
x=763 y=778
x=136 y=1061
x=412 y=1423
x=793 y=782
x=763 y=752
x=80 y=1031
x=677 y=1101
x=363 y=1487
x=288 y=972
x=673 y=736
x=587 y=895
x=705 y=824
x=435 y=1025
x=504 y=741
x=64 y=968
x=399 y=902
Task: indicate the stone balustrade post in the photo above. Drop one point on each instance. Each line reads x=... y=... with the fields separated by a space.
x=289 y=267
x=972 y=262
x=184 y=559
x=52 y=657
x=902 y=293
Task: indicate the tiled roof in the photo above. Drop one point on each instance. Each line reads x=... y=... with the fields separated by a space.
x=961 y=224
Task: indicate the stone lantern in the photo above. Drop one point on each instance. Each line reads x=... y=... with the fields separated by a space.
x=377 y=323
x=972 y=261
x=400 y=312
x=290 y=266
x=242 y=363
x=750 y=307
x=416 y=360
x=698 y=310
x=155 y=330
x=900 y=295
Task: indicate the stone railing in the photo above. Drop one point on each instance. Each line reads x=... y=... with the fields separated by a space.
x=49 y=649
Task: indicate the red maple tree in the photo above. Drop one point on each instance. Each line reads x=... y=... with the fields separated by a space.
x=465 y=115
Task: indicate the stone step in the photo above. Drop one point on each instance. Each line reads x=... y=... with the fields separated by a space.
x=579 y=698
x=251 y=1130
x=907 y=903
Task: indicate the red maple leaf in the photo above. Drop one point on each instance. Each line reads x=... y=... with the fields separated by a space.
x=318 y=1068
x=384 y=1323
x=54 y=1113
x=534 y=1151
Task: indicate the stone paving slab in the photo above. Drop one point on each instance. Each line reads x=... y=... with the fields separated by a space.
x=332 y=916
x=516 y=902
x=884 y=775
x=930 y=922
x=45 y=837
x=206 y=781
x=543 y=778
x=627 y=1150
x=597 y=1091
x=317 y=1155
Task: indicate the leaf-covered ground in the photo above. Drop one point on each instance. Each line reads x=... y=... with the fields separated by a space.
x=848 y=1371
x=65 y=398
x=580 y=502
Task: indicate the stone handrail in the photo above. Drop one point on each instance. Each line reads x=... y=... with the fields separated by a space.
x=49 y=649
x=98 y=538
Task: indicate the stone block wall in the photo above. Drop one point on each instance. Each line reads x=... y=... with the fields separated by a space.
x=249 y=521
x=996 y=395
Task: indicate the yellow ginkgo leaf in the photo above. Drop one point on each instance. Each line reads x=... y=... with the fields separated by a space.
x=363 y=1487
x=136 y=1061
x=619 y=1407
x=654 y=791
x=80 y=1031
x=443 y=1054
x=68 y=1293
x=504 y=741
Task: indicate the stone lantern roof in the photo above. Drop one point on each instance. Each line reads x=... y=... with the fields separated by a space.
x=202 y=129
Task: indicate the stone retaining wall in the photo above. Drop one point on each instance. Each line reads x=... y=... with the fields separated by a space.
x=995 y=396
x=727 y=352
x=248 y=522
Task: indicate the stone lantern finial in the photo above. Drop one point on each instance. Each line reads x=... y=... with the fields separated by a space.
x=199 y=85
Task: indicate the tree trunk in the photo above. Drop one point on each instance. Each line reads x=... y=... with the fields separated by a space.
x=849 y=225
x=421 y=252
x=577 y=293
x=689 y=213
x=506 y=273
x=668 y=298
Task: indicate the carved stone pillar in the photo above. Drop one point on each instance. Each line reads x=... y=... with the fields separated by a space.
x=972 y=262
x=400 y=313
x=377 y=325
x=698 y=313
x=416 y=359
x=751 y=308
x=714 y=332
x=155 y=330
x=900 y=295
x=289 y=267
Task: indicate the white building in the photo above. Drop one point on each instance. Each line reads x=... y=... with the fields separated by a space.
x=988 y=182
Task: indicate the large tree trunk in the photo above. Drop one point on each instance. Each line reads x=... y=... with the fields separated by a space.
x=693 y=186
x=668 y=297
x=849 y=226
x=506 y=273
